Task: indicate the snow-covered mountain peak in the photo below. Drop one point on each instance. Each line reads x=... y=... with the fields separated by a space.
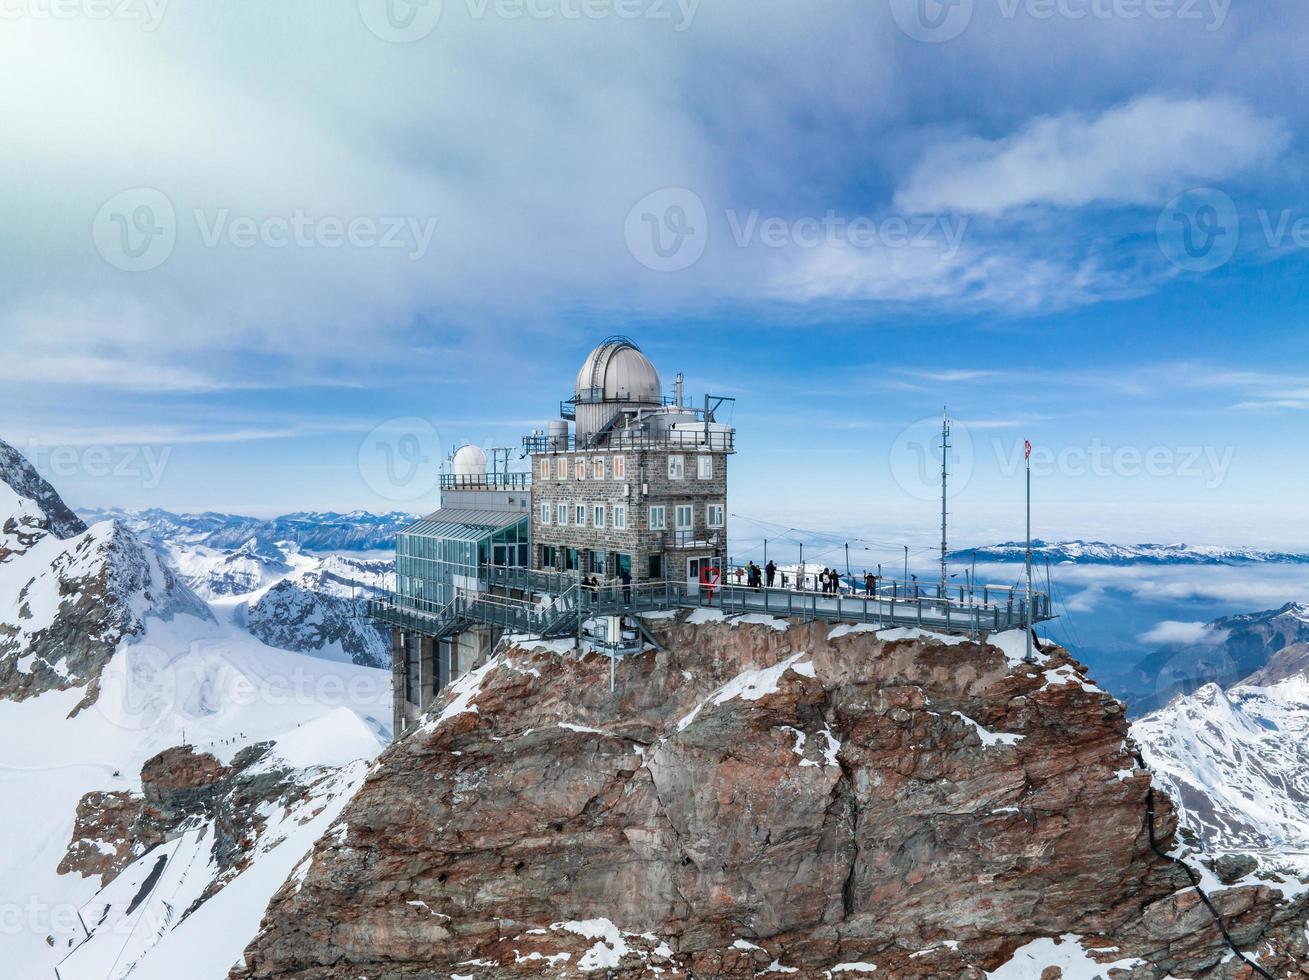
x=29 y=507
x=1236 y=762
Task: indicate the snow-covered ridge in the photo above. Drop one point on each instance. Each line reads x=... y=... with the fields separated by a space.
x=29 y=496
x=309 y=530
x=1104 y=553
x=1236 y=763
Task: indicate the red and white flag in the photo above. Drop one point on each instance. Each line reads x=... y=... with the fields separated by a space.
x=1027 y=449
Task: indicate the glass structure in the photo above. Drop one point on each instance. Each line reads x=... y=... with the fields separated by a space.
x=450 y=548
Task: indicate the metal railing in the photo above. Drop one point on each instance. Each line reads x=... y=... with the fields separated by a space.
x=563 y=613
x=691 y=440
x=484 y=481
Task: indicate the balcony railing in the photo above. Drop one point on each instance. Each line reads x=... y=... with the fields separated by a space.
x=484 y=481
x=691 y=440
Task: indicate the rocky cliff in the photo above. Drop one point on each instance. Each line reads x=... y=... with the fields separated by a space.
x=758 y=796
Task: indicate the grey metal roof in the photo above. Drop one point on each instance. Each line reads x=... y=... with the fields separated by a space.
x=463 y=524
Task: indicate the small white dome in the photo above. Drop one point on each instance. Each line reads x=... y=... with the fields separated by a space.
x=470 y=461
x=619 y=370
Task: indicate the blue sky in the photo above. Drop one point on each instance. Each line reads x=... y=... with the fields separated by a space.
x=238 y=240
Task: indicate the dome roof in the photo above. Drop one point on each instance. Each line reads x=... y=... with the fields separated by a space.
x=619 y=370
x=469 y=461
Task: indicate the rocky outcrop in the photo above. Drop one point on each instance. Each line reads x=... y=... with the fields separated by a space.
x=104 y=836
x=760 y=796
x=323 y=607
x=182 y=788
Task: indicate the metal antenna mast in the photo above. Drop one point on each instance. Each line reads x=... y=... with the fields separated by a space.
x=945 y=455
x=1027 y=461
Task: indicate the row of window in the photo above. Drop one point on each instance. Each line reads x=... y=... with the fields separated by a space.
x=577 y=514
x=594 y=469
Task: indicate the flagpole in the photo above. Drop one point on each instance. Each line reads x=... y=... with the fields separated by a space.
x=1027 y=460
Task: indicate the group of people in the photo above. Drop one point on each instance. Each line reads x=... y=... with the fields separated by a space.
x=593 y=584
x=826 y=580
x=756 y=577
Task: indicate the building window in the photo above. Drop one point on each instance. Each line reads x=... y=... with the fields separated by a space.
x=620 y=516
x=598 y=515
x=544 y=468
x=561 y=467
x=561 y=511
x=684 y=519
x=676 y=468
x=598 y=468
x=545 y=513
x=704 y=468
x=579 y=468
x=579 y=515
x=657 y=520
x=620 y=467
x=714 y=515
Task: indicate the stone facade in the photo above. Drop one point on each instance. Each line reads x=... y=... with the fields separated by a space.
x=636 y=480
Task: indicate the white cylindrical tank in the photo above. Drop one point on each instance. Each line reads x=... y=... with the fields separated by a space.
x=557 y=434
x=469 y=461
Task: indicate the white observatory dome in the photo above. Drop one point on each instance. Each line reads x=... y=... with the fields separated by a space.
x=469 y=461
x=617 y=371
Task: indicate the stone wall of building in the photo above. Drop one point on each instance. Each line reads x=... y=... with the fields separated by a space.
x=644 y=470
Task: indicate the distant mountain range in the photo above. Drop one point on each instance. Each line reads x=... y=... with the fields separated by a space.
x=1102 y=553
x=311 y=530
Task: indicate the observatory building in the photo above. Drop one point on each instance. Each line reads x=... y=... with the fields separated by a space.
x=620 y=511
x=628 y=484
x=638 y=488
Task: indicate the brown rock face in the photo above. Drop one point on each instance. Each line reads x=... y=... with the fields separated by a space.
x=750 y=797
x=103 y=839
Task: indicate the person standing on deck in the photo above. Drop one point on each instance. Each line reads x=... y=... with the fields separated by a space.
x=771 y=570
x=870 y=583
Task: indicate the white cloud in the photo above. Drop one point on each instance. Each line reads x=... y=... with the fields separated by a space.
x=1172 y=631
x=1142 y=152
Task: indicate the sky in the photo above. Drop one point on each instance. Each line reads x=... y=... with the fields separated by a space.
x=276 y=257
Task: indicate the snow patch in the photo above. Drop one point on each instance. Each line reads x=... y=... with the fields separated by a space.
x=751 y=685
x=988 y=737
x=1066 y=953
